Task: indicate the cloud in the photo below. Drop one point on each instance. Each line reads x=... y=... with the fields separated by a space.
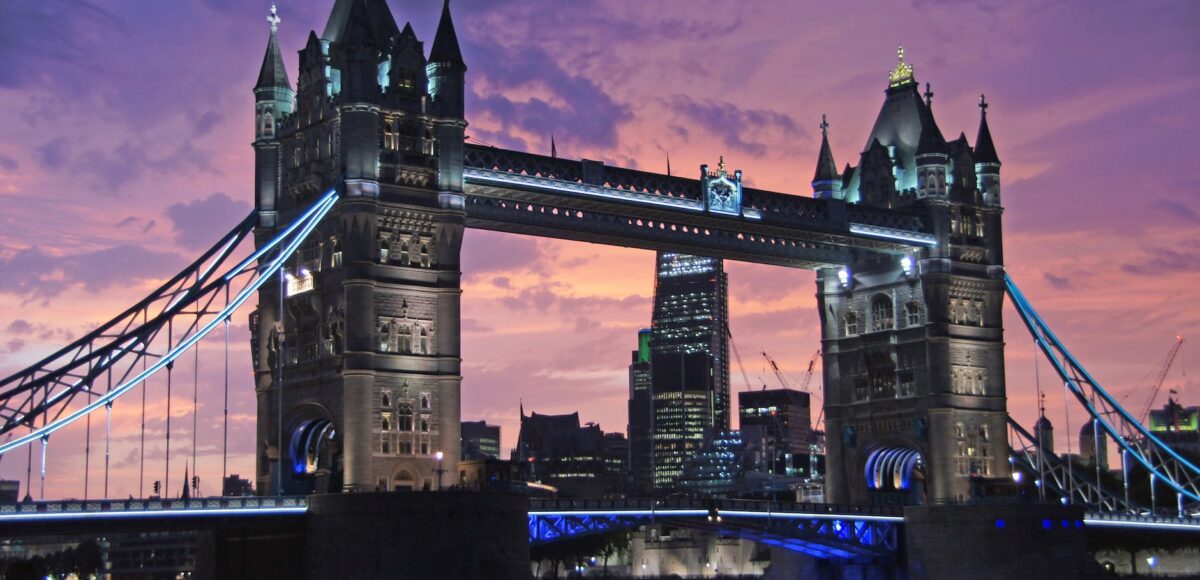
x=1059 y=282
x=574 y=108
x=499 y=253
x=19 y=327
x=741 y=128
x=501 y=282
x=15 y=345
x=1176 y=209
x=200 y=222
x=52 y=155
x=37 y=38
x=33 y=274
x=203 y=123
x=8 y=163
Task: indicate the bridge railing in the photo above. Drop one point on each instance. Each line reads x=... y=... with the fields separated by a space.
x=762 y=506
x=100 y=506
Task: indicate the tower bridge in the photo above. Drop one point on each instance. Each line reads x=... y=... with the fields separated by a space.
x=364 y=185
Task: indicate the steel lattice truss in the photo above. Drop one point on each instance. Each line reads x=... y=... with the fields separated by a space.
x=95 y=370
x=822 y=530
x=1079 y=485
x=1136 y=442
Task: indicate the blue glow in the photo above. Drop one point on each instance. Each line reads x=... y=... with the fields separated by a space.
x=485 y=177
x=1047 y=524
x=893 y=234
x=313 y=217
x=160 y=513
x=1000 y=524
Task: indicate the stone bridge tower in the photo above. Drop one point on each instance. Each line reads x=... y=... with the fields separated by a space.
x=913 y=345
x=357 y=365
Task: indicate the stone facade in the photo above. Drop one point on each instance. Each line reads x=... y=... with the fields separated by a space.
x=358 y=366
x=913 y=345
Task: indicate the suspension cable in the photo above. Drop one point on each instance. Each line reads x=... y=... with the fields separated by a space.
x=1042 y=445
x=107 y=433
x=1070 y=464
x=195 y=413
x=225 y=440
x=87 y=450
x=170 y=367
x=142 y=450
x=45 y=443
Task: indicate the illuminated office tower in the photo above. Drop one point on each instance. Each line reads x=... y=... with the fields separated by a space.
x=689 y=361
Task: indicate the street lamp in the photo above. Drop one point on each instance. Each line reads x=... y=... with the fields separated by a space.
x=439 y=456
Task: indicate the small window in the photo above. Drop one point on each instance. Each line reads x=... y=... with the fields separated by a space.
x=423 y=347
x=386 y=399
x=404 y=418
x=425 y=401
x=912 y=312
x=850 y=322
x=387 y=448
x=424 y=448
x=386 y=422
x=424 y=424
x=385 y=335
x=881 y=313
x=424 y=255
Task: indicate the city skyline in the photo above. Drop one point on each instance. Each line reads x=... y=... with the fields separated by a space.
x=575 y=307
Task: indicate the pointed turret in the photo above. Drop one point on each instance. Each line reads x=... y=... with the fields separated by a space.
x=273 y=100
x=985 y=151
x=445 y=43
x=272 y=75
x=932 y=152
x=272 y=93
x=373 y=17
x=987 y=163
x=825 y=181
x=447 y=89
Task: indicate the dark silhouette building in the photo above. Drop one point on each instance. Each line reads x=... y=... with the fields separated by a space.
x=641 y=416
x=579 y=460
x=689 y=352
x=480 y=440
x=778 y=422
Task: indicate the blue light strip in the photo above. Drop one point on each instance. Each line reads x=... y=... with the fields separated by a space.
x=486 y=177
x=723 y=513
x=633 y=513
x=329 y=198
x=313 y=217
x=814 y=516
x=1164 y=526
x=893 y=234
x=143 y=514
x=1034 y=323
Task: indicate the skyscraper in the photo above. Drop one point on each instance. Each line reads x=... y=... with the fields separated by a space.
x=689 y=362
x=641 y=415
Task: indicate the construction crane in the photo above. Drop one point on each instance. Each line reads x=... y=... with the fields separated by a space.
x=808 y=374
x=1158 y=381
x=737 y=355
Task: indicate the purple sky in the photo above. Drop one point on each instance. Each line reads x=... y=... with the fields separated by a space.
x=125 y=148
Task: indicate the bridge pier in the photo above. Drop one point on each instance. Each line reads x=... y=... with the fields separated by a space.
x=997 y=541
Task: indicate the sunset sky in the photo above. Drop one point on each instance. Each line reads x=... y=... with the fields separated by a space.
x=125 y=132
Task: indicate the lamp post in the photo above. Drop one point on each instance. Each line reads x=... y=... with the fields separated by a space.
x=439 y=456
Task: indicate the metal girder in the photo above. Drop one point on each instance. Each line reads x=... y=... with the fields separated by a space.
x=1074 y=484
x=1136 y=441
x=104 y=364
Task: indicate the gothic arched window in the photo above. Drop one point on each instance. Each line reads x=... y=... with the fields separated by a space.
x=882 y=313
x=405 y=339
x=386 y=399
x=424 y=255
x=850 y=323
x=385 y=335
x=404 y=253
x=423 y=347
x=404 y=418
x=386 y=423
x=912 y=313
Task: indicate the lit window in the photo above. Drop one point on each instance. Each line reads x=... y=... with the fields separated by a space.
x=881 y=313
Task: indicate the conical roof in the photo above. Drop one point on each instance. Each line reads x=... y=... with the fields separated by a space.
x=272 y=75
x=985 y=151
x=445 y=43
x=826 y=168
x=378 y=17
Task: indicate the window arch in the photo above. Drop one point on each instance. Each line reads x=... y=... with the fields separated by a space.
x=850 y=323
x=404 y=418
x=423 y=345
x=425 y=255
x=385 y=335
x=912 y=313
x=405 y=339
x=882 y=313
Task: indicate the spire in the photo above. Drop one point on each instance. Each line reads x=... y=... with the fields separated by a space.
x=186 y=481
x=931 y=140
x=985 y=151
x=668 y=164
x=903 y=73
x=273 y=75
x=377 y=19
x=826 y=168
x=445 y=43
x=928 y=96
x=553 y=147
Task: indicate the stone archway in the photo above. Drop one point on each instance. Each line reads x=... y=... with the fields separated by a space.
x=403 y=480
x=895 y=474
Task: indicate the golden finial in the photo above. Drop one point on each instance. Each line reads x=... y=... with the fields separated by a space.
x=721 y=167
x=903 y=73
